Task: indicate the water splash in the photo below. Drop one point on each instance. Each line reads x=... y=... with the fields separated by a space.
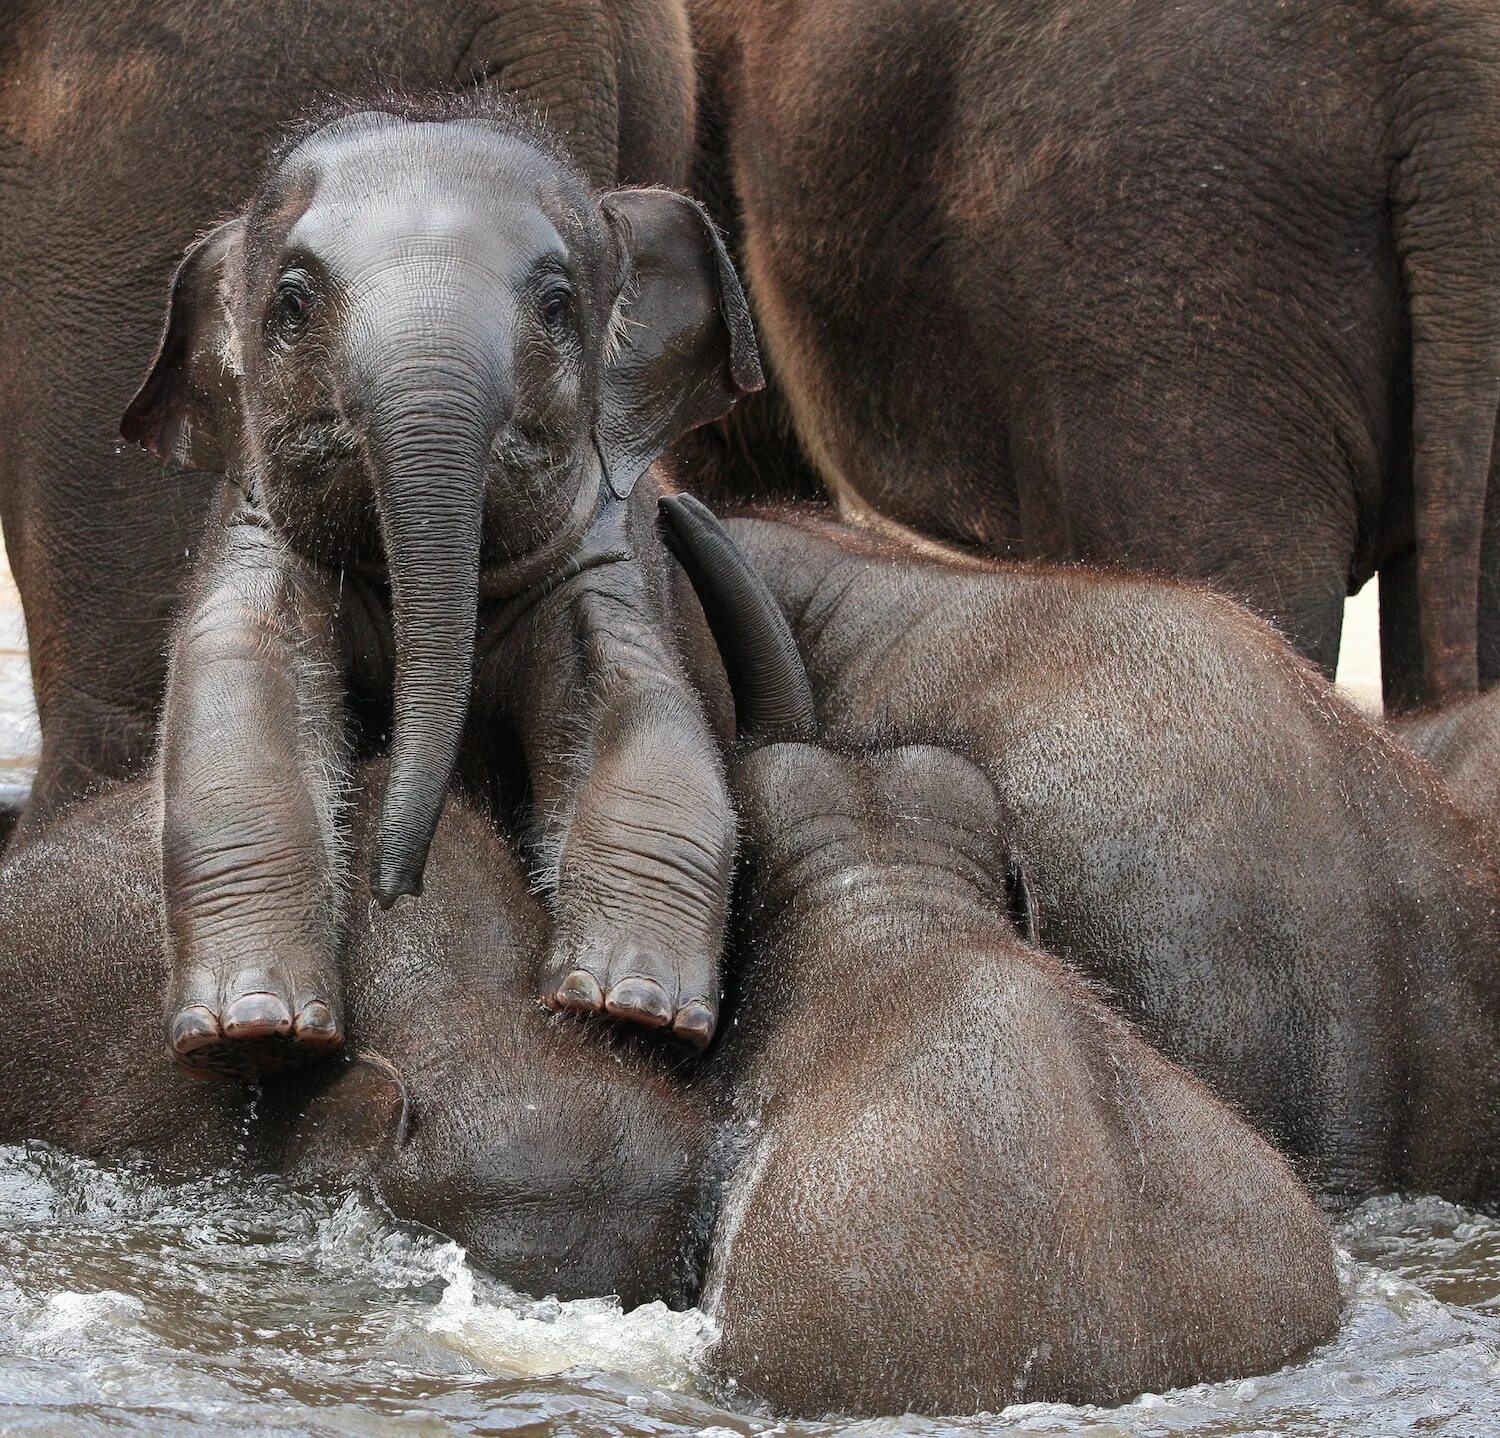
x=233 y=1306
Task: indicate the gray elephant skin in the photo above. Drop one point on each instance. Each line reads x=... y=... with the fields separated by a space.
x=1202 y=290
x=1019 y=1147
x=1281 y=895
x=437 y=366
x=125 y=128
x=569 y=1163
x=989 y=1127
x=562 y=1162
x=1462 y=742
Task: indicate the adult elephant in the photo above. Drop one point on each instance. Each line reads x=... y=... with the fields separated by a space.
x=1210 y=291
x=124 y=128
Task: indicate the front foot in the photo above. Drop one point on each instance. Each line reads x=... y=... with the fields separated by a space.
x=252 y=1022
x=640 y=985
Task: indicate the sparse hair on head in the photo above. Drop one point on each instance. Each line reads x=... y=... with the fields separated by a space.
x=481 y=104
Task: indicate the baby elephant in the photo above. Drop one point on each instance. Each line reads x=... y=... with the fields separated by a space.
x=1462 y=742
x=996 y=1162
x=436 y=366
x=991 y=1190
x=562 y=1163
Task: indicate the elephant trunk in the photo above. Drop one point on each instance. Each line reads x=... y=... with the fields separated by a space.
x=429 y=448
x=772 y=694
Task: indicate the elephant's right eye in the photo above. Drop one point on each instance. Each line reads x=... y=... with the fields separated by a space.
x=292 y=307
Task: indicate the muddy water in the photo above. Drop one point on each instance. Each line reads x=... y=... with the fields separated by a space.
x=241 y=1307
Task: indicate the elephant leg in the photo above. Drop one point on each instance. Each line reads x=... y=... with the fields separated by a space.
x=633 y=811
x=99 y=565
x=1401 y=679
x=1489 y=583
x=252 y=851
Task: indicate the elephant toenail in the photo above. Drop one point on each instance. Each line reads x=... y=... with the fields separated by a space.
x=694 y=1024
x=257 y=1016
x=642 y=1001
x=581 y=991
x=316 y=1022
x=192 y=1028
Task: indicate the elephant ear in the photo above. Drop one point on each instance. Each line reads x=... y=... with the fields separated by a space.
x=355 y=1125
x=188 y=408
x=685 y=347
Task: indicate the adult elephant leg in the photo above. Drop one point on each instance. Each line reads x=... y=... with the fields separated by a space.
x=1445 y=208
x=1400 y=634
x=99 y=548
x=1489 y=582
x=616 y=80
x=561 y=59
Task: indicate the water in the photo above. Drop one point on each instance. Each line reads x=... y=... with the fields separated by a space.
x=234 y=1306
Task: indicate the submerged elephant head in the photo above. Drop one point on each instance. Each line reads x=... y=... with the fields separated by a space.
x=428 y=345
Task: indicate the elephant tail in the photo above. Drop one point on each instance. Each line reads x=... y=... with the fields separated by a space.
x=1445 y=205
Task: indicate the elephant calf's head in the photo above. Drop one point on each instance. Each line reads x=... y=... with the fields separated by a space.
x=427 y=344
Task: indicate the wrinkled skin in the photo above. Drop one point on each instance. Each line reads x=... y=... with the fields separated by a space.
x=1282 y=897
x=437 y=367
x=125 y=128
x=1462 y=742
x=1086 y=1220
x=561 y=1162
x=1202 y=290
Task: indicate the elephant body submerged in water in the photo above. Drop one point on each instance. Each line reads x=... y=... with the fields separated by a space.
x=566 y=1161
x=1059 y=1210
x=438 y=366
x=125 y=128
x=562 y=1161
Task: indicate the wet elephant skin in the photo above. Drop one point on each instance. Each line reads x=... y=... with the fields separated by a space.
x=438 y=366
x=1280 y=894
x=564 y=1163
x=993 y=1190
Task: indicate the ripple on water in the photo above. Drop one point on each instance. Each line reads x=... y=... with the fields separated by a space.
x=241 y=1306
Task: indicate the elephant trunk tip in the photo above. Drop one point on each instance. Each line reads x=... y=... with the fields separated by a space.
x=394 y=874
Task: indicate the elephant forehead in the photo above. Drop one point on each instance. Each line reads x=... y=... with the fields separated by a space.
x=439 y=170
x=356 y=234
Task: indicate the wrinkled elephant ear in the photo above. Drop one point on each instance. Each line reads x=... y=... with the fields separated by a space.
x=187 y=411
x=685 y=346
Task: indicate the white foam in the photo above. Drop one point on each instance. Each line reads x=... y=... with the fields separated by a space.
x=507 y=1333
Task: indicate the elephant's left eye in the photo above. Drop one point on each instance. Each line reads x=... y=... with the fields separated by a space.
x=556 y=305
x=292 y=309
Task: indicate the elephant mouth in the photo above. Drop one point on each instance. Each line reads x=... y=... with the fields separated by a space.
x=593 y=559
